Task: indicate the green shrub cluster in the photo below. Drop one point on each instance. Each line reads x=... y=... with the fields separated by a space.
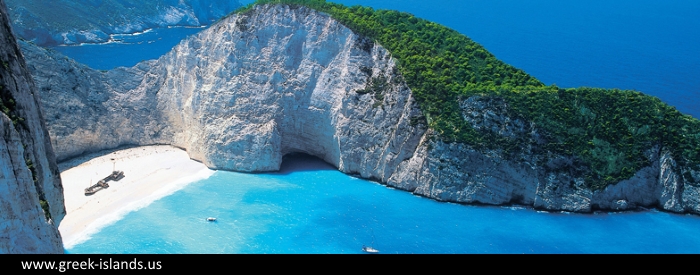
x=8 y=106
x=42 y=197
x=608 y=130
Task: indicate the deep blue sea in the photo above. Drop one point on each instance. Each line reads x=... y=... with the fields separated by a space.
x=128 y=49
x=648 y=45
x=310 y=207
x=652 y=46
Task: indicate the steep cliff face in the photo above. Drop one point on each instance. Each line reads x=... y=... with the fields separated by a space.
x=95 y=21
x=279 y=79
x=89 y=110
x=459 y=173
x=241 y=95
x=284 y=80
x=28 y=171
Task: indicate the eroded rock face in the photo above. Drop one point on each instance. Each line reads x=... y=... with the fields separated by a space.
x=245 y=92
x=284 y=80
x=241 y=95
x=88 y=110
x=28 y=170
x=459 y=173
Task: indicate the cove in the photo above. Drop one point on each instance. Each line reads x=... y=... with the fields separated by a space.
x=319 y=210
x=310 y=207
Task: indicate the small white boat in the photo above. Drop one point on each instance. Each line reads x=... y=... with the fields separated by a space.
x=369 y=249
x=211 y=219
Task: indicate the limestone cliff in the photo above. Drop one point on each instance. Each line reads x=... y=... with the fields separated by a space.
x=28 y=170
x=240 y=95
x=459 y=173
x=280 y=79
x=89 y=110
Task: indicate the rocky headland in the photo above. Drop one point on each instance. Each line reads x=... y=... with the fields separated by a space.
x=281 y=79
x=67 y=22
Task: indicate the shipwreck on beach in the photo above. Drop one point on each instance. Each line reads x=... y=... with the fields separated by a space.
x=103 y=183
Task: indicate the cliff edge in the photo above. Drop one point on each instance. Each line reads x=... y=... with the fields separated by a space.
x=31 y=194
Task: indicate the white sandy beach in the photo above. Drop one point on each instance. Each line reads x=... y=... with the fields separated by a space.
x=151 y=172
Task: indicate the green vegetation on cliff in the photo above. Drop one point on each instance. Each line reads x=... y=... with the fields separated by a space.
x=608 y=131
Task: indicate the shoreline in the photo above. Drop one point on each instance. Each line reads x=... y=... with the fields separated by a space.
x=111 y=36
x=150 y=173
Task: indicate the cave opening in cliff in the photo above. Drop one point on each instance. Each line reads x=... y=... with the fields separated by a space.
x=297 y=162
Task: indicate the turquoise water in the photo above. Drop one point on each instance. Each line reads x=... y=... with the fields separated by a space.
x=309 y=207
x=646 y=45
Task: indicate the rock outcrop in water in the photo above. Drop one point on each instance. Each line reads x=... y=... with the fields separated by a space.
x=28 y=170
x=282 y=79
x=95 y=21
